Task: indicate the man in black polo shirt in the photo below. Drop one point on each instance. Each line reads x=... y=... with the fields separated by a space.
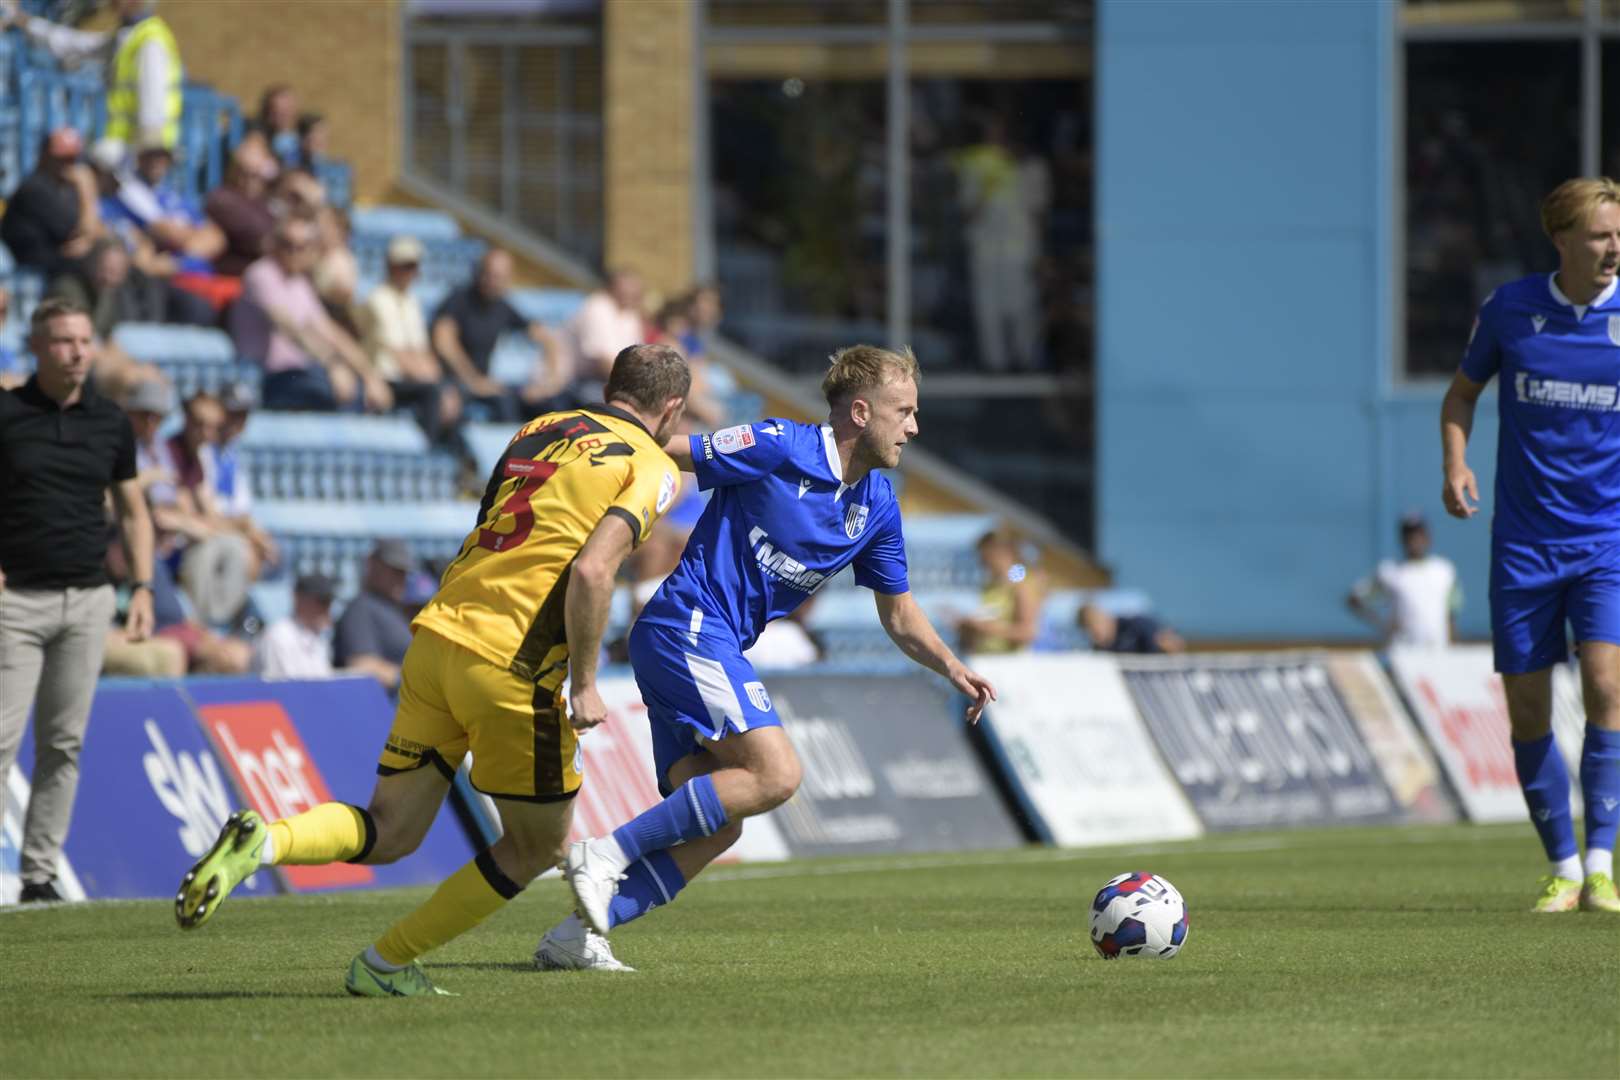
x=62 y=446
x=468 y=326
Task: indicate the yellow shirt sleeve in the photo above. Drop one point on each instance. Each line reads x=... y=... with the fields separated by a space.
x=650 y=488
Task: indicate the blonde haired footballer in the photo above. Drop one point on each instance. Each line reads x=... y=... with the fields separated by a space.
x=520 y=609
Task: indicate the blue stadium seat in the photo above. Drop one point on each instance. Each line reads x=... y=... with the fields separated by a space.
x=386 y=221
x=157 y=342
x=550 y=306
x=318 y=537
x=344 y=458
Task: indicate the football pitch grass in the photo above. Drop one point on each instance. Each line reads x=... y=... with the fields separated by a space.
x=1364 y=952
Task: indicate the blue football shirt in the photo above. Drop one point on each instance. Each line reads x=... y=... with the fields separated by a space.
x=1558 y=452
x=780 y=522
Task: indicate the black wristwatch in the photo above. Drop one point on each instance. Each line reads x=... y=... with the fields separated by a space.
x=137 y=586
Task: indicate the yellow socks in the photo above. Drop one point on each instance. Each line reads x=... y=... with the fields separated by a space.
x=330 y=832
x=470 y=895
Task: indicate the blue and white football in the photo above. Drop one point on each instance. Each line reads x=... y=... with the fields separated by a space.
x=1138 y=914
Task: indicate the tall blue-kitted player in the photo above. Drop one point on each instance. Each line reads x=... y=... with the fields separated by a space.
x=1554 y=340
x=793 y=505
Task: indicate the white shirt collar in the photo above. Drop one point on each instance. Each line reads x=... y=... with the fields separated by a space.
x=1580 y=309
x=834 y=462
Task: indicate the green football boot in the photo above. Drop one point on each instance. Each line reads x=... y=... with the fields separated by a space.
x=366 y=981
x=232 y=859
x=1557 y=894
x=1599 y=894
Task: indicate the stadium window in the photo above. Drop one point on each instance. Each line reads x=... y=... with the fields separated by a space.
x=1001 y=224
x=1489 y=130
x=796 y=13
x=799 y=200
x=1610 y=154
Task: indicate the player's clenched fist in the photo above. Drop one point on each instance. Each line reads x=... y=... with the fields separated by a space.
x=585 y=708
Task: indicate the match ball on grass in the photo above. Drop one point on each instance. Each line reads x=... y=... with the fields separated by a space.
x=1138 y=914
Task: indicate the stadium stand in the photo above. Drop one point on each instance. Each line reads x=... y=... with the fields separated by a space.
x=328 y=485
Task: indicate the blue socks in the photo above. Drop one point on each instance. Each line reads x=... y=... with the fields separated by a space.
x=693 y=810
x=1600 y=782
x=1545 y=781
x=651 y=881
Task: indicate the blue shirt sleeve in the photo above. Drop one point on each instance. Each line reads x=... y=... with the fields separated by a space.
x=1483 y=358
x=736 y=455
x=881 y=564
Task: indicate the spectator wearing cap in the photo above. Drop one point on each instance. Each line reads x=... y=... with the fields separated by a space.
x=468 y=326
x=373 y=633
x=1127 y=633
x=51 y=219
x=395 y=338
x=1413 y=601
x=232 y=490
x=63 y=447
x=298 y=646
x=309 y=361
x=142 y=67
x=240 y=206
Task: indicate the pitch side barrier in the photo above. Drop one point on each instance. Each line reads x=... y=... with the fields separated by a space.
x=1106 y=750
x=1458 y=701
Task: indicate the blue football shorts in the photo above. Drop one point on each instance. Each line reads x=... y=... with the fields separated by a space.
x=1537 y=588
x=702 y=689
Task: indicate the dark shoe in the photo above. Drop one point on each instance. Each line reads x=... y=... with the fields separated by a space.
x=43 y=892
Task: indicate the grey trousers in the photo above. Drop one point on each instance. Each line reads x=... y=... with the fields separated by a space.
x=51 y=644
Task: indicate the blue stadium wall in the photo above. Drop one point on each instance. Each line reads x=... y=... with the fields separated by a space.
x=1254 y=446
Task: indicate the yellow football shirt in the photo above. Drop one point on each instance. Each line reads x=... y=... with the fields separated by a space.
x=502 y=597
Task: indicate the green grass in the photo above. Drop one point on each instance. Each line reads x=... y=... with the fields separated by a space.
x=1353 y=953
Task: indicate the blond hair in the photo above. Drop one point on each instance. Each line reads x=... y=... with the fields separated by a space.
x=1573 y=201
x=860 y=368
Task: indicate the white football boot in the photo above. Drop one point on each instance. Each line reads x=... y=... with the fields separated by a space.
x=573 y=946
x=594 y=869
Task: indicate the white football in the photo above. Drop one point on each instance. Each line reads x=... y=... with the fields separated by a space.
x=1138 y=914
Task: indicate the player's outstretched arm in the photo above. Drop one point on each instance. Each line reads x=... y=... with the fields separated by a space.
x=585 y=612
x=910 y=629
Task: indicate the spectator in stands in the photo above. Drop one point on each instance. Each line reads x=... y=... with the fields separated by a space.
x=142 y=69
x=239 y=206
x=295 y=192
x=211 y=560
x=373 y=633
x=337 y=273
x=395 y=338
x=1420 y=590
x=299 y=646
x=233 y=493
x=1127 y=633
x=469 y=324
x=277 y=122
x=312 y=141
x=142 y=202
x=608 y=322
x=156 y=656
x=50 y=219
x=193 y=455
x=309 y=361
x=102 y=285
x=673 y=326
x=62 y=448
x=1009 y=615
x=787 y=643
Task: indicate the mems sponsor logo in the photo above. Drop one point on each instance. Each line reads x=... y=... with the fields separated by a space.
x=778 y=564
x=1601 y=397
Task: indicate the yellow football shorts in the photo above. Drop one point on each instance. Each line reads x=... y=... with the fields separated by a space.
x=452 y=700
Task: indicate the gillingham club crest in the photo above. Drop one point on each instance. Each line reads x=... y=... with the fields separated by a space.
x=855 y=520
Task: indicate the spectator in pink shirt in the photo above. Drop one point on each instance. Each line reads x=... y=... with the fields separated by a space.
x=309 y=362
x=608 y=322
